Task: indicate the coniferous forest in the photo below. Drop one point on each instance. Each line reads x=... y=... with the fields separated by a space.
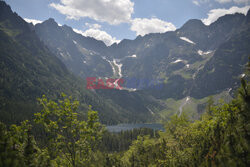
x=57 y=137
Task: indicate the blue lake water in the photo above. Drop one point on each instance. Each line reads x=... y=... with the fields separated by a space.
x=124 y=127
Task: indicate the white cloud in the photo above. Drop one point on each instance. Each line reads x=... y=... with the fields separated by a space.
x=78 y=31
x=99 y=35
x=214 y=14
x=33 y=21
x=223 y=1
x=144 y=26
x=95 y=26
x=235 y=1
x=198 y=2
x=110 y=11
x=242 y=1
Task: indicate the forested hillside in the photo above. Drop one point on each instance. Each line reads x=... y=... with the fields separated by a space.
x=219 y=138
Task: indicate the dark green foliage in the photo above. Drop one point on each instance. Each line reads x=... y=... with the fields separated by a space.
x=220 y=138
x=17 y=147
x=118 y=142
x=68 y=137
x=68 y=141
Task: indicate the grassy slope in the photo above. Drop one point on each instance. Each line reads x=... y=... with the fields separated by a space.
x=191 y=108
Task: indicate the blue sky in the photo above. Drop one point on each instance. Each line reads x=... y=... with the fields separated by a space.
x=114 y=20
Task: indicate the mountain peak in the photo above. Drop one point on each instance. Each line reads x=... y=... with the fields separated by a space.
x=192 y=26
x=193 y=23
x=3 y=4
x=50 y=22
x=4 y=8
x=66 y=27
x=229 y=19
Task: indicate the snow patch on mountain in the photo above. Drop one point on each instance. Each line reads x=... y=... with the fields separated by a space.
x=187 y=40
x=200 y=52
x=242 y=75
x=147 y=45
x=115 y=64
x=133 y=56
x=117 y=71
x=111 y=64
x=184 y=102
x=196 y=72
x=177 y=61
x=66 y=56
x=119 y=66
